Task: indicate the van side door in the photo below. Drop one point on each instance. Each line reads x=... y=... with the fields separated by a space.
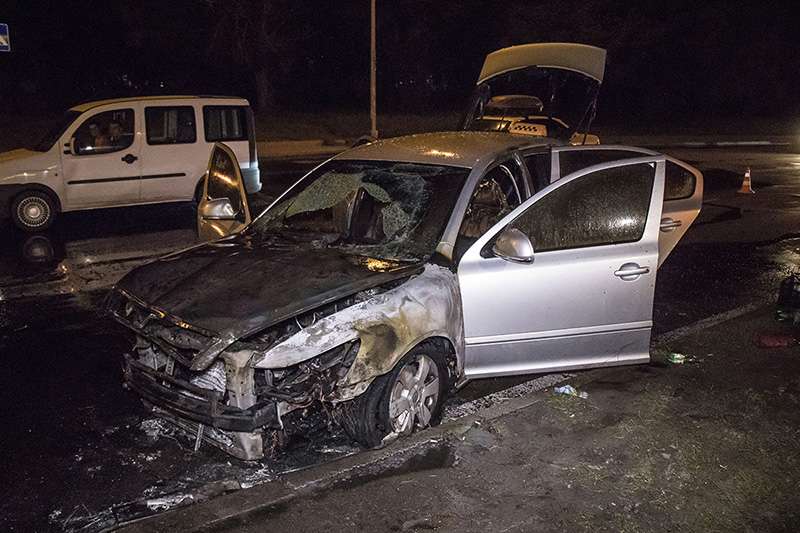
x=173 y=161
x=101 y=160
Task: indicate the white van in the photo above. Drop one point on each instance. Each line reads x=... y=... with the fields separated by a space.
x=125 y=151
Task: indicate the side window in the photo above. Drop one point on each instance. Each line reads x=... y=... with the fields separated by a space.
x=498 y=192
x=106 y=132
x=170 y=125
x=570 y=161
x=225 y=123
x=539 y=169
x=223 y=180
x=679 y=182
x=605 y=207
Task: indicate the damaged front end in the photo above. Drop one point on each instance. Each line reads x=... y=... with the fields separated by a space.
x=289 y=377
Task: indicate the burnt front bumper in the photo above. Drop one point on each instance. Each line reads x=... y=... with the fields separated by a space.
x=194 y=403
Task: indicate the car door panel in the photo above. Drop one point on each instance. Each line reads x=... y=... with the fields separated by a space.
x=569 y=308
x=682 y=204
x=222 y=180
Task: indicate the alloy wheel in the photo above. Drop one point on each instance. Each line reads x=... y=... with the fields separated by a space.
x=414 y=395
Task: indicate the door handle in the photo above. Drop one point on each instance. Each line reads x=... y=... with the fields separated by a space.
x=667 y=224
x=129 y=158
x=631 y=271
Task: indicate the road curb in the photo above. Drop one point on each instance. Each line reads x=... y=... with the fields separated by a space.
x=303 y=148
x=429 y=449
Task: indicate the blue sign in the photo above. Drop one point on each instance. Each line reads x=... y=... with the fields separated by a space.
x=5 y=40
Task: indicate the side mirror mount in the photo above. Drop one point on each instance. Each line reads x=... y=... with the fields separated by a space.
x=218 y=209
x=513 y=245
x=70 y=148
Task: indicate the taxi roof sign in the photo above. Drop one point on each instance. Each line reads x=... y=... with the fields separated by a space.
x=5 y=40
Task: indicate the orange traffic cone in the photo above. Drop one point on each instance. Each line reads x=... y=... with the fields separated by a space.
x=747 y=184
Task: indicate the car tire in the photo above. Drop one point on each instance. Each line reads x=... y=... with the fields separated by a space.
x=401 y=401
x=33 y=210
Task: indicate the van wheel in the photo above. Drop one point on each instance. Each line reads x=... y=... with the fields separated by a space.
x=33 y=210
x=409 y=397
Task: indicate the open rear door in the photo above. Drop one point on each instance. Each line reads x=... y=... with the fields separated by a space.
x=223 y=208
x=683 y=186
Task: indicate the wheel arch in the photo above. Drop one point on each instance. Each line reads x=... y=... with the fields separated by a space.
x=9 y=193
x=439 y=341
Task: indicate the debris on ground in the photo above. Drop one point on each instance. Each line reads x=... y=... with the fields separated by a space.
x=774 y=340
x=84 y=521
x=569 y=390
x=419 y=523
x=677 y=358
x=455 y=409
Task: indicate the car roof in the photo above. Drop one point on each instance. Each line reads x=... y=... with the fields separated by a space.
x=90 y=105
x=452 y=148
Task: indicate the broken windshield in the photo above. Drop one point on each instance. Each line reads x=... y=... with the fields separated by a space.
x=389 y=210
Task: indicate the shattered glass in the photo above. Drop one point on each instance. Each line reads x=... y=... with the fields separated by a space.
x=390 y=210
x=605 y=207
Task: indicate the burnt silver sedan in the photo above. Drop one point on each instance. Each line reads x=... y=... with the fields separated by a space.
x=394 y=273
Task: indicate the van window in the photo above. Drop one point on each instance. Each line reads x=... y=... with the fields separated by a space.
x=170 y=125
x=225 y=123
x=103 y=133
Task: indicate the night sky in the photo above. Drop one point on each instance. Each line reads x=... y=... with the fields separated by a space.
x=680 y=59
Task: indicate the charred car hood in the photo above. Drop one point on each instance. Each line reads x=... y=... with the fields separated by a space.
x=235 y=288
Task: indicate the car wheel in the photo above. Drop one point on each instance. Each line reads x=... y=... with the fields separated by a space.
x=33 y=211
x=407 y=398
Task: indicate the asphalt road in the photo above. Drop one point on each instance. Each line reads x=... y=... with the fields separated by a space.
x=78 y=447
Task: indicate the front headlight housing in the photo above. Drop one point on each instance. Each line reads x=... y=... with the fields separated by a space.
x=314 y=379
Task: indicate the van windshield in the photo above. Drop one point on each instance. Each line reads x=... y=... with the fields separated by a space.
x=55 y=131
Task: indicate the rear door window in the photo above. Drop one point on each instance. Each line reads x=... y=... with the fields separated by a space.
x=225 y=123
x=539 y=168
x=679 y=182
x=170 y=125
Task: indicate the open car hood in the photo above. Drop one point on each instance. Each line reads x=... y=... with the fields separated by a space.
x=560 y=80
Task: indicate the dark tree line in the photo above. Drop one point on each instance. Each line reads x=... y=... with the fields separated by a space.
x=665 y=58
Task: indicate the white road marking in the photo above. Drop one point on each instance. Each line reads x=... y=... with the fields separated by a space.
x=706 y=323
